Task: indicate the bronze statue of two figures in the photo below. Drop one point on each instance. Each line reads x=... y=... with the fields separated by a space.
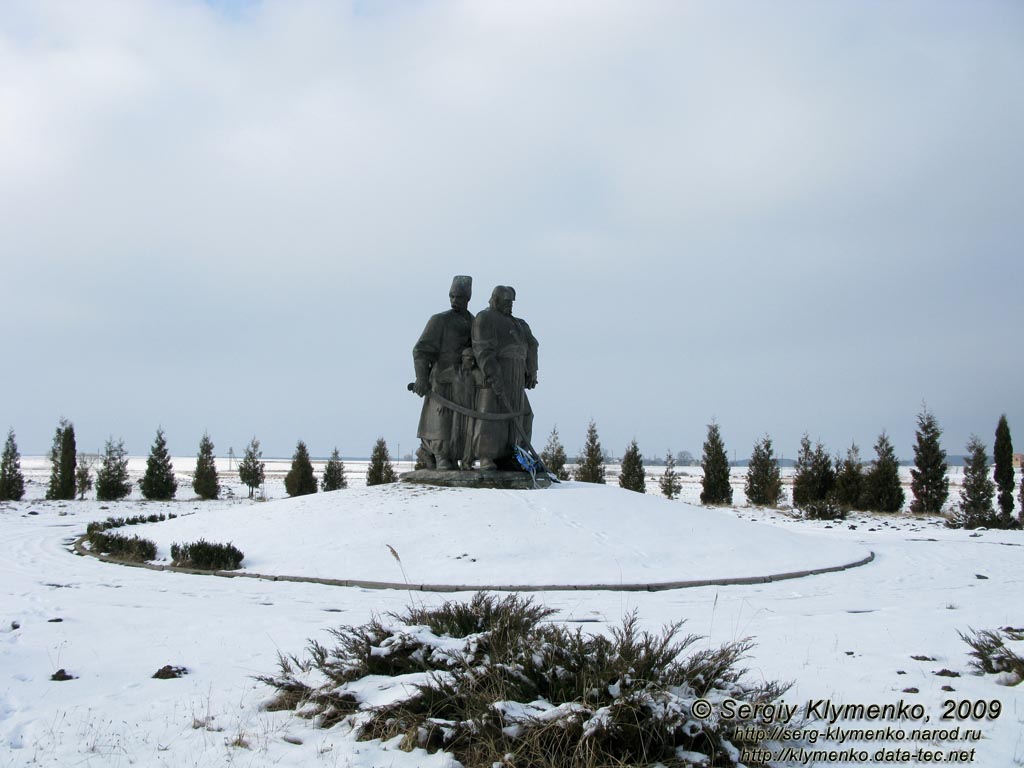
x=473 y=373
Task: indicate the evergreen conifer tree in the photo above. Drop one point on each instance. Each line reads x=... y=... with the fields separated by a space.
x=669 y=483
x=62 y=461
x=68 y=462
x=334 y=473
x=824 y=473
x=632 y=475
x=205 y=481
x=849 y=479
x=975 y=508
x=764 y=481
x=715 y=463
x=1003 y=475
x=83 y=477
x=251 y=467
x=882 y=490
x=1020 y=515
x=112 y=477
x=590 y=464
x=554 y=457
x=802 y=472
x=12 y=482
x=815 y=477
x=929 y=482
x=300 y=479
x=380 y=471
x=53 y=489
x=159 y=483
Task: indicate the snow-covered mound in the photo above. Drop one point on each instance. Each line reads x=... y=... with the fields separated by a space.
x=571 y=534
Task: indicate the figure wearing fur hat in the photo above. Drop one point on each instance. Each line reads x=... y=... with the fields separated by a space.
x=438 y=362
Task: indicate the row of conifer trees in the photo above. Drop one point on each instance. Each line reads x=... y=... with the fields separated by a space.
x=71 y=473
x=301 y=480
x=824 y=486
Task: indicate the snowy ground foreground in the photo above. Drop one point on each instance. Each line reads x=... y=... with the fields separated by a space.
x=846 y=636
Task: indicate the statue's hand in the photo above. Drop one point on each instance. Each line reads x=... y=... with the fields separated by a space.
x=421 y=387
x=498 y=387
x=531 y=380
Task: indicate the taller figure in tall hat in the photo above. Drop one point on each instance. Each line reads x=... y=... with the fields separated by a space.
x=438 y=360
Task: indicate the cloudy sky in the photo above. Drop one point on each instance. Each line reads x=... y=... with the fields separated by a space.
x=237 y=216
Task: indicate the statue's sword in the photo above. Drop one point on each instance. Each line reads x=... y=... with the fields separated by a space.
x=532 y=461
x=440 y=400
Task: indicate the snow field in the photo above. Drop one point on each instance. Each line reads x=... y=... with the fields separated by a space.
x=847 y=637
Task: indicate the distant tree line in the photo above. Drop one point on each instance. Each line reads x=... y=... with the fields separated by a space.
x=824 y=486
x=830 y=487
x=72 y=473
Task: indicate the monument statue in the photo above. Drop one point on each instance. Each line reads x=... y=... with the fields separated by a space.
x=506 y=355
x=473 y=374
x=439 y=364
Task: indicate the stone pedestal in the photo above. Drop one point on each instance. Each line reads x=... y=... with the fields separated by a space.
x=475 y=478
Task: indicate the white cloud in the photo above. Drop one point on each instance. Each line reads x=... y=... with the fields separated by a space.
x=816 y=178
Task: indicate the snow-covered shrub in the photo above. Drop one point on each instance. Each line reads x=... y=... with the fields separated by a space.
x=118 y=522
x=206 y=556
x=135 y=548
x=993 y=656
x=505 y=620
x=490 y=679
x=823 y=510
x=104 y=525
x=416 y=641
